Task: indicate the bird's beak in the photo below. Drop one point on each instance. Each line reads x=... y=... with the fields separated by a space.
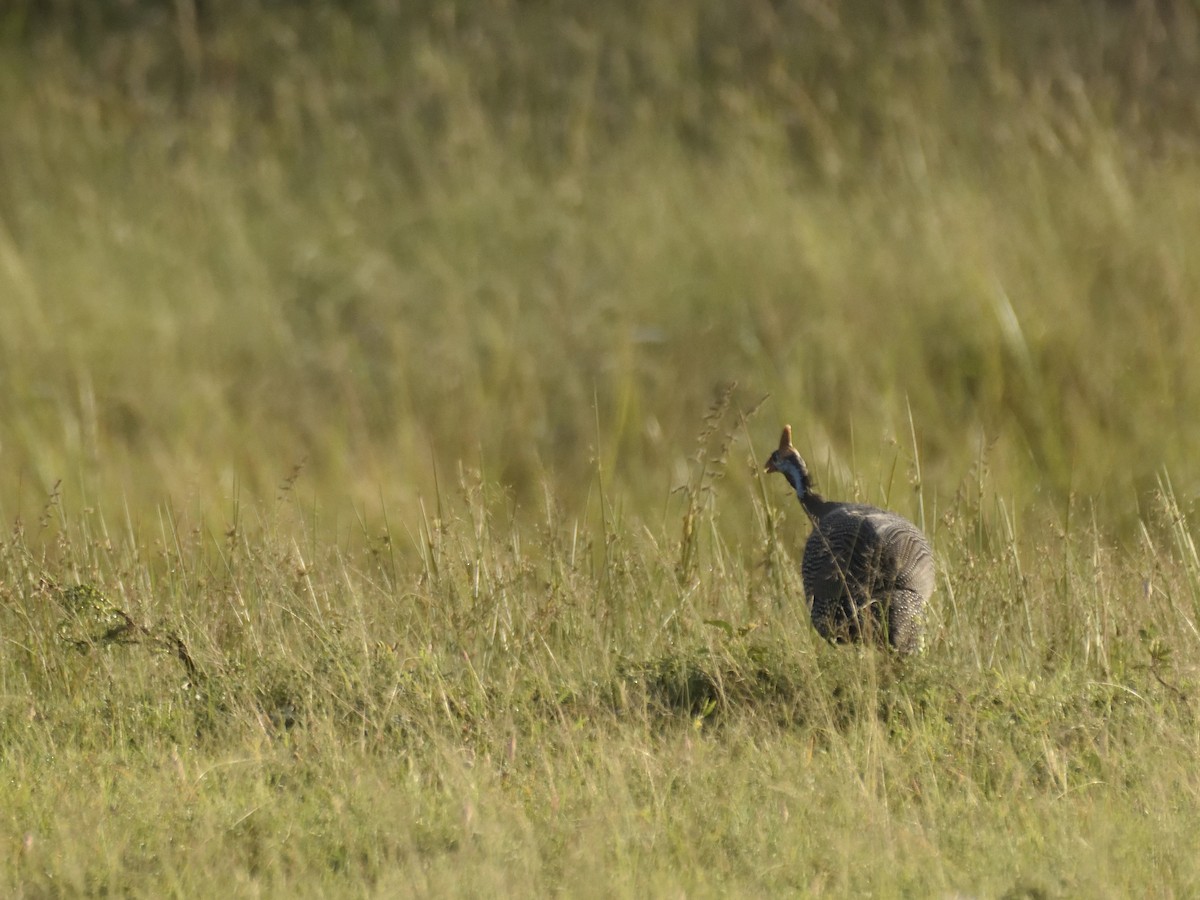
x=770 y=467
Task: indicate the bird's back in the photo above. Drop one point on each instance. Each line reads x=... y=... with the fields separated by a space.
x=858 y=554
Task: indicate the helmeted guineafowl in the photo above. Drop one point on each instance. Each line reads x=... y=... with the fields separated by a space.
x=867 y=572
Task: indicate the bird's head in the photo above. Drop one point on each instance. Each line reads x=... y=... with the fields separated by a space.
x=787 y=462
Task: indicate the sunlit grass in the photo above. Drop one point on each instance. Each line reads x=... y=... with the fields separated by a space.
x=383 y=398
x=528 y=710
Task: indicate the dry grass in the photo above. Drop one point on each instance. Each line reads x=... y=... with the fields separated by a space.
x=382 y=516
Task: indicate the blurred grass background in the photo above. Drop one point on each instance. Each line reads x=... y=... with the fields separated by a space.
x=374 y=236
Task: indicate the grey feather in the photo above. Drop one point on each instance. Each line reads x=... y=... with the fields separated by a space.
x=867 y=574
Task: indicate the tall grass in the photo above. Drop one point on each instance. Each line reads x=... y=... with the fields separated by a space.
x=383 y=394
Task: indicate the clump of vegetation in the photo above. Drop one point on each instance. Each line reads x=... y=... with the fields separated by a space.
x=384 y=390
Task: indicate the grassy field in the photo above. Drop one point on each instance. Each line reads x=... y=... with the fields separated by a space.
x=384 y=390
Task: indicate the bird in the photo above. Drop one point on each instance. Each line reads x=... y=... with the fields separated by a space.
x=868 y=573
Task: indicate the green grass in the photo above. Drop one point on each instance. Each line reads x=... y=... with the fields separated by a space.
x=383 y=394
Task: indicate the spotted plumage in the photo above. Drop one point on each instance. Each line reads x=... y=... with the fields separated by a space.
x=867 y=572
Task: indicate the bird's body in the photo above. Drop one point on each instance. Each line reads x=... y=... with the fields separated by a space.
x=867 y=572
